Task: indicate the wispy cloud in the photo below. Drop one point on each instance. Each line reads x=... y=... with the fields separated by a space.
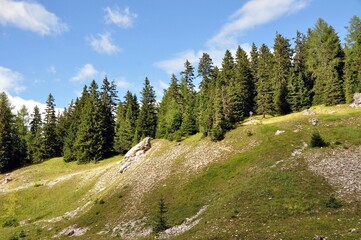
x=86 y=72
x=122 y=18
x=32 y=16
x=17 y=102
x=10 y=80
x=104 y=44
x=253 y=13
x=163 y=84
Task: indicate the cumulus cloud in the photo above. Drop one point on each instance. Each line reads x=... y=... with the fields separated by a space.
x=250 y=15
x=32 y=16
x=104 y=44
x=10 y=81
x=122 y=18
x=86 y=72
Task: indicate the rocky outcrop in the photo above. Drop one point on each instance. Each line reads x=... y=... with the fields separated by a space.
x=356 y=100
x=134 y=153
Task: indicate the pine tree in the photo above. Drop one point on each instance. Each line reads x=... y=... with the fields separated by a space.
x=264 y=99
x=281 y=73
x=241 y=91
x=300 y=84
x=35 y=140
x=10 y=156
x=107 y=109
x=254 y=67
x=325 y=62
x=205 y=70
x=188 y=99
x=227 y=77
x=50 y=143
x=22 y=124
x=353 y=58
x=147 y=119
x=89 y=141
x=218 y=126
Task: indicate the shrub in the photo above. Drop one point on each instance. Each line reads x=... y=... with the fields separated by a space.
x=333 y=203
x=161 y=223
x=317 y=140
x=10 y=222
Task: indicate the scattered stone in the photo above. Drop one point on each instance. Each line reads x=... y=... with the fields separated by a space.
x=7 y=179
x=356 y=100
x=71 y=231
x=313 y=121
x=308 y=112
x=279 y=132
x=332 y=112
x=353 y=230
x=298 y=151
x=320 y=238
x=253 y=122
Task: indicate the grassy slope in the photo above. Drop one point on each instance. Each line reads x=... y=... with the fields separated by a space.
x=259 y=194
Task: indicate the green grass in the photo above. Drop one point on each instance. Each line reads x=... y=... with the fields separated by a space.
x=261 y=193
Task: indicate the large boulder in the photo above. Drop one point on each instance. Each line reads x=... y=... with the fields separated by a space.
x=356 y=100
x=138 y=149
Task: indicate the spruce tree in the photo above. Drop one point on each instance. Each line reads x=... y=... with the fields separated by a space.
x=22 y=125
x=205 y=71
x=281 y=73
x=147 y=119
x=264 y=99
x=50 y=144
x=10 y=154
x=226 y=79
x=35 y=140
x=325 y=62
x=188 y=100
x=218 y=127
x=353 y=58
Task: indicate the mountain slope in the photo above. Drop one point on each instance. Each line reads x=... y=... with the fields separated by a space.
x=252 y=185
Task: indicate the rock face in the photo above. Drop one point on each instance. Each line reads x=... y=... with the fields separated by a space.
x=135 y=152
x=356 y=100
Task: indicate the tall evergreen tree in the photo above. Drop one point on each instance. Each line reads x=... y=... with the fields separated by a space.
x=10 y=155
x=188 y=94
x=353 y=58
x=241 y=91
x=205 y=71
x=300 y=84
x=219 y=124
x=254 y=67
x=264 y=99
x=281 y=73
x=147 y=119
x=325 y=62
x=50 y=140
x=107 y=109
x=35 y=140
x=22 y=125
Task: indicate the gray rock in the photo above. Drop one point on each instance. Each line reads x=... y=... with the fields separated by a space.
x=308 y=112
x=356 y=100
x=313 y=121
x=138 y=149
x=279 y=132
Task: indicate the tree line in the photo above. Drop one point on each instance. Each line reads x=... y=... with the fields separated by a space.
x=311 y=69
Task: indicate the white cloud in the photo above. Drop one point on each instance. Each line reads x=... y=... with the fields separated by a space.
x=122 y=18
x=176 y=64
x=104 y=44
x=251 y=14
x=163 y=84
x=10 y=80
x=86 y=72
x=123 y=83
x=32 y=16
x=52 y=69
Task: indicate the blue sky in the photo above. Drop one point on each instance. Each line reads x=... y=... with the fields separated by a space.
x=58 y=46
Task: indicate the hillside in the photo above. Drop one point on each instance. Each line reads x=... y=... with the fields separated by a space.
x=254 y=184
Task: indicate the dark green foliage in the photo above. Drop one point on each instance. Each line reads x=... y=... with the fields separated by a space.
x=281 y=72
x=325 y=62
x=10 y=143
x=147 y=119
x=353 y=59
x=10 y=222
x=264 y=99
x=50 y=141
x=161 y=221
x=332 y=202
x=317 y=140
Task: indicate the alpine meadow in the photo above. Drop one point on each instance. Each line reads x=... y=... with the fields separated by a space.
x=261 y=143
